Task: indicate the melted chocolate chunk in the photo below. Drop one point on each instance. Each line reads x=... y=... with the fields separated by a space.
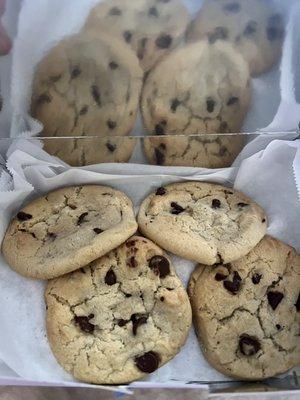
x=96 y=95
x=115 y=11
x=251 y=28
x=297 y=305
x=232 y=100
x=162 y=298
x=110 y=278
x=176 y=208
x=256 y=279
x=263 y=220
x=22 y=216
x=111 y=147
x=84 y=323
x=113 y=65
x=243 y=205
x=175 y=103
x=127 y=36
x=133 y=262
x=76 y=71
x=84 y=110
x=152 y=12
x=122 y=322
x=278 y=327
x=128 y=295
x=160 y=158
x=130 y=243
x=148 y=362
x=215 y=204
x=220 y=277
x=44 y=98
x=72 y=206
x=160 y=191
x=81 y=218
x=97 y=231
x=210 y=105
x=160 y=266
x=233 y=286
x=164 y=41
x=137 y=321
x=232 y=7
x=249 y=345
x=82 y=270
x=274 y=298
x=111 y=124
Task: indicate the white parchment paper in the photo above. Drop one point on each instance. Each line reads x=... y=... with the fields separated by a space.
x=267 y=177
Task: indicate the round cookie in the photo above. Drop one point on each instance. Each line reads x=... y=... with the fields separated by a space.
x=202 y=221
x=67 y=229
x=86 y=151
x=198 y=89
x=87 y=87
x=247 y=313
x=151 y=27
x=208 y=151
x=120 y=318
x=252 y=25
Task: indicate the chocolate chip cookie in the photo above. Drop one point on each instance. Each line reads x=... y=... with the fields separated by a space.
x=87 y=87
x=253 y=26
x=247 y=313
x=151 y=27
x=67 y=229
x=121 y=317
x=202 y=222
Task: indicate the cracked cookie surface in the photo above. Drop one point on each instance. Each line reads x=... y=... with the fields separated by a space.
x=247 y=313
x=151 y=27
x=200 y=88
x=121 y=317
x=66 y=229
x=253 y=26
x=202 y=222
x=86 y=86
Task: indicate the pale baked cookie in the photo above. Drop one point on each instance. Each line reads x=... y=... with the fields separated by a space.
x=121 y=317
x=87 y=87
x=67 y=229
x=247 y=313
x=202 y=222
x=151 y=27
x=252 y=25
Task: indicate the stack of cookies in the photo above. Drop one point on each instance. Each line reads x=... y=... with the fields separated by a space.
x=190 y=78
x=115 y=308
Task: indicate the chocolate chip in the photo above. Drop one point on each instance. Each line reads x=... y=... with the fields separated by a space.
x=233 y=286
x=274 y=33
x=176 y=208
x=160 y=158
x=278 y=327
x=97 y=231
x=152 y=12
x=256 y=279
x=52 y=236
x=96 y=95
x=84 y=323
x=81 y=218
x=72 y=206
x=220 y=32
x=111 y=124
x=232 y=100
x=82 y=270
x=216 y=203
x=133 y=262
x=137 y=321
x=263 y=220
x=44 y=98
x=297 y=305
x=115 y=11
x=174 y=104
x=162 y=298
x=251 y=28
x=110 y=278
x=111 y=147
x=76 y=71
x=232 y=7
x=113 y=65
x=160 y=191
x=249 y=345
x=224 y=127
x=210 y=105
x=274 y=298
x=159 y=129
x=164 y=41
x=220 y=277
x=130 y=243
x=148 y=362
x=242 y=205
x=84 y=110
x=160 y=266
x=122 y=322
x=22 y=216
x=128 y=295
x=127 y=36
